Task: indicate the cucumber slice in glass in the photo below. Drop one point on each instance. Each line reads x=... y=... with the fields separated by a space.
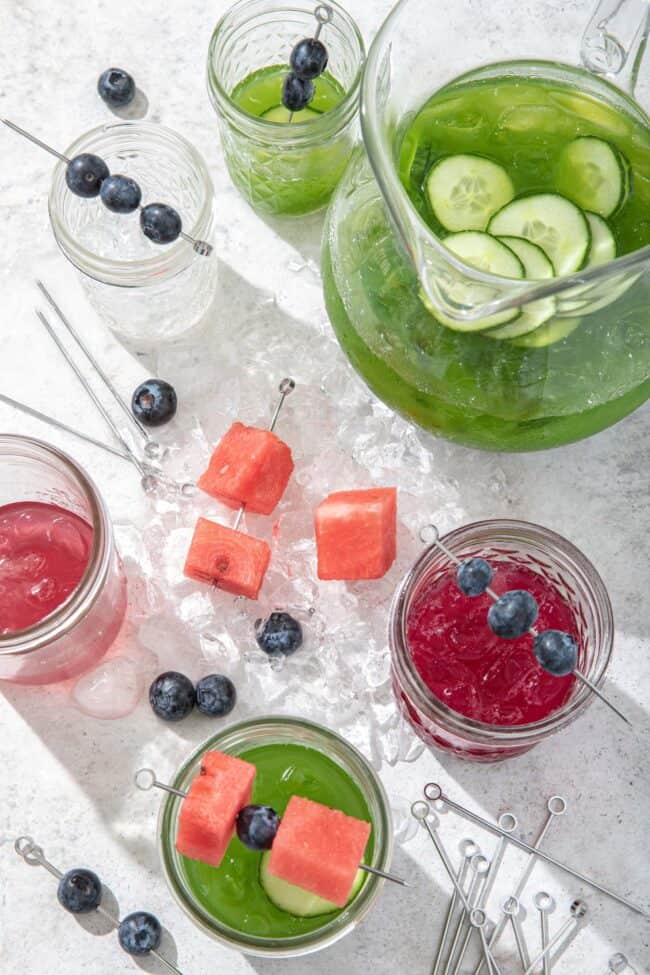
x=552 y=222
x=465 y=190
x=537 y=267
x=297 y=901
x=603 y=245
x=488 y=254
x=548 y=334
x=594 y=174
x=281 y=114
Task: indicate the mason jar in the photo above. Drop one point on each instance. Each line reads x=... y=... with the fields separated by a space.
x=566 y=570
x=238 y=739
x=78 y=632
x=146 y=292
x=283 y=168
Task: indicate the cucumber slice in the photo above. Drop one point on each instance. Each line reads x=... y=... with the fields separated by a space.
x=594 y=174
x=552 y=222
x=548 y=334
x=537 y=267
x=297 y=901
x=464 y=191
x=487 y=254
x=603 y=245
x=281 y=114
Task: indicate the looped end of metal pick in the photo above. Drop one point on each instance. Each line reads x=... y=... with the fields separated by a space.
x=324 y=14
x=145 y=779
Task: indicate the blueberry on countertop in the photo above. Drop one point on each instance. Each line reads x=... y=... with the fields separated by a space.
x=172 y=696
x=116 y=87
x=79 y=891
x=474 y=576
x=308 y=59
x=513 y=614
x=120 y=194
x=139 y=933
x=556 y=652
x=257 y=826
x=215 y=695
x=154 y=402
x=85 y=174
x=279 y=634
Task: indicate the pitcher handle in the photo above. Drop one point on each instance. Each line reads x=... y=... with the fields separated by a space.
x=615 y=39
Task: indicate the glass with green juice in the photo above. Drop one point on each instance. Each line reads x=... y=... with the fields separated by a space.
x=486 y=261
x=239 y=903
x=284 y=163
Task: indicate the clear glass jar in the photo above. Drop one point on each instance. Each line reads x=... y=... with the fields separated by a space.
x=282 y=168
x=266 y=731
x=146 y=292
x=77 y=634
x=577 y=582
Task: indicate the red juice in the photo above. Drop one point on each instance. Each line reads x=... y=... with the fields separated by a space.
x=44 y=552
x=473 y=671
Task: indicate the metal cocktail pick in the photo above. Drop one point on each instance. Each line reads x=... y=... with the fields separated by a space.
x=477 y=917
x=431 y=536
x=145 y=779
x=545 y=904
x=200 y=246
x=433 y=792
x=556 y=807
x=469 y=850
x=324 y=15
x=34 y=856
x=577 y=911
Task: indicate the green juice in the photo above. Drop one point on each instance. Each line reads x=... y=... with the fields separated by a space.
x=576 y=374
x=232 y=892
x=296 y=166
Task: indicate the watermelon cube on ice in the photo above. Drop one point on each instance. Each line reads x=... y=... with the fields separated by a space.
x=206 y=823
x=231 y=560
x=356 y=534
x=319 y=849
x=250 y=467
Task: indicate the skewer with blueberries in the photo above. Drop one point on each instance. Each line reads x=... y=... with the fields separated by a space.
x=308 y=61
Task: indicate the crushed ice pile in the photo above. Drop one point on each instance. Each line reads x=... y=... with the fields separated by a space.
x=341 y=438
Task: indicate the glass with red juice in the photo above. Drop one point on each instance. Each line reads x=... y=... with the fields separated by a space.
x=475 y=694
x=62 y=587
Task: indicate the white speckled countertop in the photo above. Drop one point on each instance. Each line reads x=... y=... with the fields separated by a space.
x=67 y=778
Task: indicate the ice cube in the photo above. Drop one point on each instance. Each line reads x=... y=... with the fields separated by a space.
x=112 y=690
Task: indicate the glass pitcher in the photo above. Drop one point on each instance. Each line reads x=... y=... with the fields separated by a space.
x=423 y=327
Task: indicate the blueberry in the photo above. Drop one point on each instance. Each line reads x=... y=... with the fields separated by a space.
x=279 y=634
x=120 y=194
x=257 y=826
x=296 y=93
x=215 y=695
x=512 y=614
x=139 y=933
x=154 y=402
x=172 y=696
x=116 y=87
x=85 y=174
x=474 y=576
x=556 y=652
x=160 y=223
x=308 y=58
x=79 y=891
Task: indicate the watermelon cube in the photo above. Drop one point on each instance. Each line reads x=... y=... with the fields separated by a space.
x=231 y=560
x=207 y=819
x=250 y=467
x=319 y=849
x=356 y=534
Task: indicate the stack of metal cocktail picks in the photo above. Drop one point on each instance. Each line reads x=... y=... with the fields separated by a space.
x=475 y=891
x=146 y=462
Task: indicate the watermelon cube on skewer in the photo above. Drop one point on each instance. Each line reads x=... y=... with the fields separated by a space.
x=356 y=534
x=249 y=467
x=319 y=849
x=207 y=819
x=228 y=559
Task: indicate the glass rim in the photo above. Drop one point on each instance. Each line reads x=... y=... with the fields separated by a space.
x=73 y=609
x=404 y=215
x=326 y=125
x=414 y=685
x=173 y=258
x=295 y=945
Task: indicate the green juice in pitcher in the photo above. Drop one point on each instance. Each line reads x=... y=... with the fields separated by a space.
x=528 y=171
